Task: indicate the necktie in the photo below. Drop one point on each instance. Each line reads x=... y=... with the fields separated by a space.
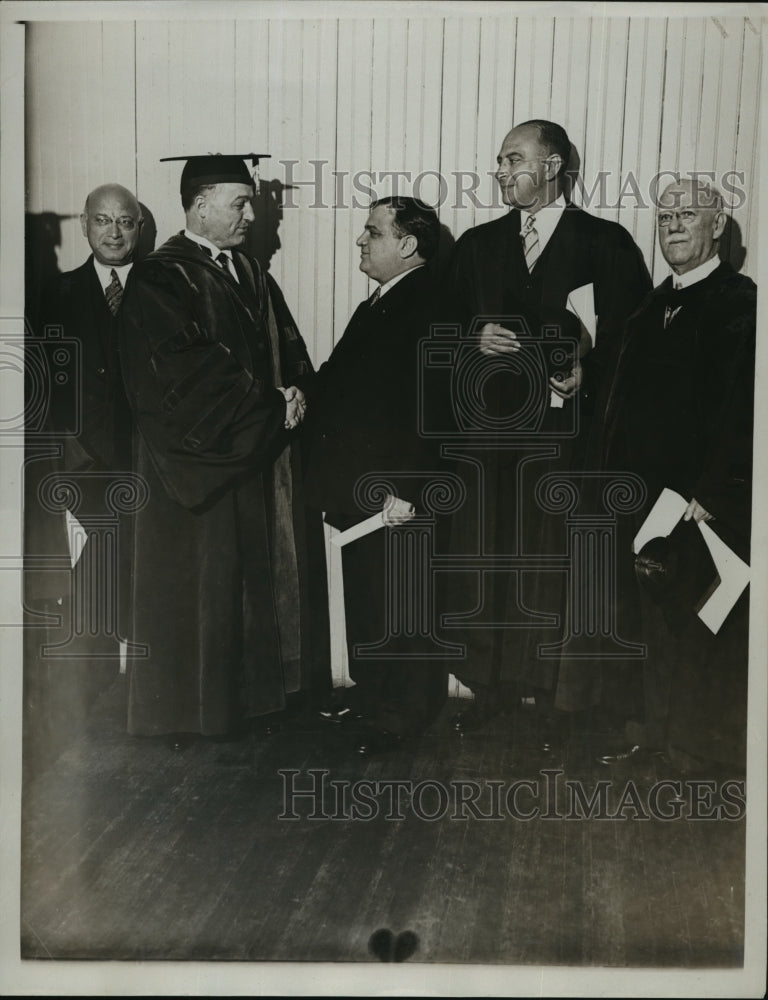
x=530 y=242
x=114 y=293
x=221 y=259
x=375 y=297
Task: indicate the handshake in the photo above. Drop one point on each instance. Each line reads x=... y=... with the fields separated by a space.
x=295 y=406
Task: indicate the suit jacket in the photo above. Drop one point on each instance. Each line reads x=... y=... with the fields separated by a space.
x=490 y=277
x=99 y=411
x=364 y=417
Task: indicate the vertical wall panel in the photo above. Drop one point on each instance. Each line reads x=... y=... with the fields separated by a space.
x=81 y=120
x=605 y=111
x=460 y=103
x=642 y=126
x=495 y=114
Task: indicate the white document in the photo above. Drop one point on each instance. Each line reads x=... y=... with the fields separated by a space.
x=392 y=506
x=77 y=536
x=581 y=302
x=664 y=515
x=733 y=571
x=734 y=577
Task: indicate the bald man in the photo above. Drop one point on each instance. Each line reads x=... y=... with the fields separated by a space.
x=86 y=303
x=94 y=429
x=680 y=415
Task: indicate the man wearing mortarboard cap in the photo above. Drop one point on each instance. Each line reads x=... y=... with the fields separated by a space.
x=216 y=371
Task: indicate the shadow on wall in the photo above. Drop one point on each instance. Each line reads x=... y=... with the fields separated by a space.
x=263 y=240
x=732 y=246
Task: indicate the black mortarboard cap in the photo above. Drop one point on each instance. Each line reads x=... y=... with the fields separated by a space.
x=216 y=168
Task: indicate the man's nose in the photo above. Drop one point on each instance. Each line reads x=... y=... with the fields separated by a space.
x=675 y=223
x=360 y=241
x=114 y=229
x=248 y=212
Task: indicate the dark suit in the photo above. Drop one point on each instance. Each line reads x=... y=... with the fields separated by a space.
x=72 y=461
x=491 y=279
x=363 y=420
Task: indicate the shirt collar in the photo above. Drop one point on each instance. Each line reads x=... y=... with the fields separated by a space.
x=697 y=274
x=203 y=242
x=104 y=273
x=383 y=289
x=545 y=220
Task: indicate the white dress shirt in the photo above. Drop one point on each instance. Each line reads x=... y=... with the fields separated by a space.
x=104 y=273
x=697 y=274
x=545 y=220
x=215 y=251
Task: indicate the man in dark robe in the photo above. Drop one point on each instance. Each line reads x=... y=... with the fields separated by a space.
x=365 y=421
x=229 y=585
x=680 y=415
x=515 y=279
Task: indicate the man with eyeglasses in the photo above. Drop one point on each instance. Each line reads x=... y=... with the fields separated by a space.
x=680 y=415
x=526 y=268
x=93 y=434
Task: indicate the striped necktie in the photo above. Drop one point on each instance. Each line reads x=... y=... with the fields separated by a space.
x=530 y=242
x=375 y=297
x=114 y=293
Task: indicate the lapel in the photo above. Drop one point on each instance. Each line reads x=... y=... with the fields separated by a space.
x=245 y=293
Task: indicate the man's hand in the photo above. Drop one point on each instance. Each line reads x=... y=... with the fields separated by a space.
x=396 y=511
x=495 y=339
x=696 y=511
x=567 y=387
x=296 y=406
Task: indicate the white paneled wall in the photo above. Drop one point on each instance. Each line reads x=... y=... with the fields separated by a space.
x=346 y=99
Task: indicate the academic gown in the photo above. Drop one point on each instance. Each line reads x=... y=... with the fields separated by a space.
x=680 y=415
x=229 y=583
x=491 y=281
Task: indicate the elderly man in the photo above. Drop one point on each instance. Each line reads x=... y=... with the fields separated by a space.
x=365 y=420
x=540 y=266
x=89 y=418
x=680 y=415
x=215 y=371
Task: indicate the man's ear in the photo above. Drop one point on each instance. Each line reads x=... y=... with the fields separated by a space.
x=719 y=227
x=552 y=164
x=84 y=224
x=409 y=246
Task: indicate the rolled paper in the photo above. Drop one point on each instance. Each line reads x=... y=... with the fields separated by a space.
x=392 y=506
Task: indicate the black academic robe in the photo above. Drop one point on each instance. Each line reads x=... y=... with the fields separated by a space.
x=491 y=281
x=365 y=420
x=680 y=415
x=229 y=588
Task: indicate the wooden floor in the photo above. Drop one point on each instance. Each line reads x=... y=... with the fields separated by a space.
x=133 y=852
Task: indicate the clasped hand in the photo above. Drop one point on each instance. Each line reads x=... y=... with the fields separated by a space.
x=295 y=406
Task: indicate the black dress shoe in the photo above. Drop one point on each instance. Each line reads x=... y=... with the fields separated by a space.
x=620 y=756
x=473 y=718
x=338 y=714
x=376 y=741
